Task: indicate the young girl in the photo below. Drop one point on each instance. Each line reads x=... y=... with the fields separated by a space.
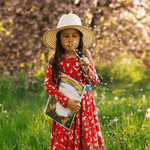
x=70 y=40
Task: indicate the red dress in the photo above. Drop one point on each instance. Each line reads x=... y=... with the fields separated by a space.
x=85 y=133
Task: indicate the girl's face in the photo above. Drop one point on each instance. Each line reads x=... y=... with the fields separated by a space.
x=70 y=39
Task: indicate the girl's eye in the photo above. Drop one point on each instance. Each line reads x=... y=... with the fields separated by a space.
x=66 y=36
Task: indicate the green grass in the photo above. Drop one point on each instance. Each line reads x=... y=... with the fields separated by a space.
x=23 y=124
x=122 y=114
x=121 y=108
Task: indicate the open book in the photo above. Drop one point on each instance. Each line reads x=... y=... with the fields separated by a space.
x=72 y=89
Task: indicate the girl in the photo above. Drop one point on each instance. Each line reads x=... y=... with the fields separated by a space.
x=70 y=40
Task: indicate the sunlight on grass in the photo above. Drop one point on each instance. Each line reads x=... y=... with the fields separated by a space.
x=24 y=128
x=123 y=108
x=123 y=117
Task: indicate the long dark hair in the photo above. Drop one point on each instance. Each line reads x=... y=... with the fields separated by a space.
x=59 y=52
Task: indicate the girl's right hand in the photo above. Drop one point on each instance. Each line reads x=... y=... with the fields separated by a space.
x=84 y=63
x=74 y=105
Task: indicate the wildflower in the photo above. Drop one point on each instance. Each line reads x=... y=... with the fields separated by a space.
x=97 y=109
x=148 y=115
x=95 y=94
x=111 y=78
x=143 y=97
x=148 y=110
x=0 y=105
x=5 y=111
x=115 y=98
x=122 y=99
x=139 y=110
x=103 y=96
x=104 y=117
x=131 y=113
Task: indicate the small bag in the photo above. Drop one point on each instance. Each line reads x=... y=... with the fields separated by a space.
x=73 y=90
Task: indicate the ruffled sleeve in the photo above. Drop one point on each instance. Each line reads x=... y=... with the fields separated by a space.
x=51 y=88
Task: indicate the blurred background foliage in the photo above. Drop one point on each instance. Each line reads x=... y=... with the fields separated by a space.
x=121 y=54
x=121 y=28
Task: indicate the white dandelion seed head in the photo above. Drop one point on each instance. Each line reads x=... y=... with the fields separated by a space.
x=5 y=111
x=139 y=110
x=115 y=98
x=148 y=110
x=143 y=97
x=148 y=115
x=104 y=117
x=0 y=105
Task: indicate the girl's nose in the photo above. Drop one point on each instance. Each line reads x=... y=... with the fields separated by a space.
x=70 y=39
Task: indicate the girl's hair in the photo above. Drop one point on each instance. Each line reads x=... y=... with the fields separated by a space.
x=59 y=52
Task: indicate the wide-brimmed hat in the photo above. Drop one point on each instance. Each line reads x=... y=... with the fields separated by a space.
x=69 y=21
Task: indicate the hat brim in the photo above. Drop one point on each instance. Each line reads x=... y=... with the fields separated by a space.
x=50 y=36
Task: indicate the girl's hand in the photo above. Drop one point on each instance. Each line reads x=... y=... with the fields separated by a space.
x=84 y=64
x=74 y=105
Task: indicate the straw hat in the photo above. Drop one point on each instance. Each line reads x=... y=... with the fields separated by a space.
x=69 y=21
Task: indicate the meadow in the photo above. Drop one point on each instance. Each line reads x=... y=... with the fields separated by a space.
x=122 y=100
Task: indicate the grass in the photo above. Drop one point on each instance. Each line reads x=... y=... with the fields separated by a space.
x=23 y=125
x=121 y=106
x=122 y=114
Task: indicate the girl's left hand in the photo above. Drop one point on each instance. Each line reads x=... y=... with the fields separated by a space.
x=84 y=64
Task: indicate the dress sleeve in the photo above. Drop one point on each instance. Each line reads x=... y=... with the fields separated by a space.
x=91 y=73
x=51 y=88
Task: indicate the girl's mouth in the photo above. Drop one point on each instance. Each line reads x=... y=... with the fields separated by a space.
x=70 y=45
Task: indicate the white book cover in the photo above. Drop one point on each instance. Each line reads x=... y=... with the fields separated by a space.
x=73 y=90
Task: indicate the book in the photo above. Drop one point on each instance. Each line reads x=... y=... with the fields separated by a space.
x=73 y=90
